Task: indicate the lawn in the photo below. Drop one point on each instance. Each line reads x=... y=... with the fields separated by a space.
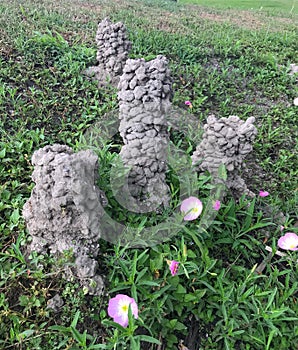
x=235 y=288
x=287 y=6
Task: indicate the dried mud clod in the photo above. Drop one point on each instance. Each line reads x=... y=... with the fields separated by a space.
x=113 y=48
x=64 y=210
x=145 y=94
x=226 y=141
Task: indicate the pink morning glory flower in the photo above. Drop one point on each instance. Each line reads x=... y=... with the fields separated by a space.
x=216 y=205
x=289 y=241
x=263 y=193
x=118 y=309
x=173 y=265
x=188 y=103
x=192 y=208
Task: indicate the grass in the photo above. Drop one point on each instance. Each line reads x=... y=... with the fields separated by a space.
x=230 y=292
x=288 y=6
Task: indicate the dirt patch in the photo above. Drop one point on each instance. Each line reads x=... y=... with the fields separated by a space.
x=242 y=18
x=213 y=17
x=81 y=4
x=245 y=19
x=282 y=24
x=167 y=22
x=94 y=8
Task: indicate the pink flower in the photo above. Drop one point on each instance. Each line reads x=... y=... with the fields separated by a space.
x=192 y=208
x=118 y=309
x=188 y=103
x=282 y=227
x=289 y=241
x=263 y=193
x=216 y=205
x=173 y=265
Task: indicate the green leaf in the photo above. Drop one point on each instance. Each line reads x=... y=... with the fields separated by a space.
x=160 y=292
x=222 y=172
x=114 y=324
x=75 y=320
x=134 y=293
x=148 y=283
x=195 y=239
x=125 y=270
x=141 y=274
x=208 y=286
x=24 y=300
x=271 y=299
x=148 y=339
x=77 y=335
x=26 y=333
x=180 y=326
x=15 y=216
x=190 y=297
x=174 y=281
x=191 y=254
x=134 y=344
x=134 y=268
x=255 y=227
x=62 y=329
x=270 y=337
x=249 y=215
x=117 y=289
x=156 y=263
x=131 y=319
x=180 y=289
x=275 y=313
x=173 y=323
